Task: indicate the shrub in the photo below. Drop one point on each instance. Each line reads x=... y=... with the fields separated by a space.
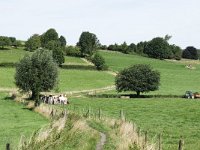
x=73 y=51
x=99 y=62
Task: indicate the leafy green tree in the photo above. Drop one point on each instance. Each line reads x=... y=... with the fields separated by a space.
x=132 y=48
x=88 y=43
x=4 y=41
x=51 y=45
x=167 y=37
x=62 y=41
x=12 y=40
x=57 y=50
x=140 y=47
x=73 y=51
x=158 y=48
x=177 y=52
x=99 y=62
x=124 y=48
x=33 y=43
x=190 y=53
x=49 y=35
x=138 y=78
x=36 y=73
x=58 y=55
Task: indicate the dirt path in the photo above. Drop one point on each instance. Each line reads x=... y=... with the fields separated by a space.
x=7 y=89
x=102 y=142
x=90 y=91
x=87 y=62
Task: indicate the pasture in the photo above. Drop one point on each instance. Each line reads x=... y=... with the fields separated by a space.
x=76 y=74
x=69 y=80
x=12 y=55
x=175 y=77
x=16 y=121
x=170 y=117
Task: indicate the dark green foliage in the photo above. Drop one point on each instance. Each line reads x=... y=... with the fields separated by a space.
x=124 y=48
x=138 y=78
x=132 y=48
x=158 y=48
x=103 y=47
x=33 y=43
x=57 y=50
x=73 y=51
x=12 y=40
x=62 y=41
x=141 y=47
x=58 y=55
x=36 y=73
x=50 y=40
x=51 y=45
x=49 y=35
x=17 y=44
x=88 y=43
x=99 y=62
x=177 y=52
x=190 y=53
x=4 y=41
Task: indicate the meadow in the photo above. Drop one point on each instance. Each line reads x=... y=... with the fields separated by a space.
x=12 y=55
x=17 y=121
x=172 y=118
x=80 y=76
x=175 y=77
x=69 y=80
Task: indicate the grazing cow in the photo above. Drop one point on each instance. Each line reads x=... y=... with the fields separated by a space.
x=63 y=100
x=54 y=99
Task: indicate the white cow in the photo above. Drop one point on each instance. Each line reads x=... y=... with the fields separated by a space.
x=62 y=99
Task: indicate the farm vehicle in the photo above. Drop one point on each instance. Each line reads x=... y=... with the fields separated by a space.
x=191 y=95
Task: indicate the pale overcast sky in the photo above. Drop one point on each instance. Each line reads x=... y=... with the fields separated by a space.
x=111 y=20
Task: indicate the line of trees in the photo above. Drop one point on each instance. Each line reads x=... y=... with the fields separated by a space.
x=156 y=48
x=9 y=41
x=48 y=40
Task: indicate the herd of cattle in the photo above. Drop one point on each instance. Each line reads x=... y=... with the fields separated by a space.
x=54 y=99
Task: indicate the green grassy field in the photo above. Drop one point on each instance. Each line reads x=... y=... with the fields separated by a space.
x=12 y=55
x=73 y=80
x=170 y=117
x=175 y=78
x=7 y=77
x=16 y=121
x=69 y=80
x=74 y=60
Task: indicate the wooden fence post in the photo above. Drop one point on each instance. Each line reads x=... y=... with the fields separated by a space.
x=180 y=144
x=7 y=146
x=159 y=142
x=122 y=115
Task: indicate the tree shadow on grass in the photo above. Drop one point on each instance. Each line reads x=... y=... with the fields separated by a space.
x=78 y=67
x=128 y=96
x=4 y=48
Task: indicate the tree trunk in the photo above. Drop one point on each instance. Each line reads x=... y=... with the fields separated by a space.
x=35 y=96
x=138 y=93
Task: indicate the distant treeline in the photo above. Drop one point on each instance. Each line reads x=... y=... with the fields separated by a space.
x=156 y=48
x=9 y=41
